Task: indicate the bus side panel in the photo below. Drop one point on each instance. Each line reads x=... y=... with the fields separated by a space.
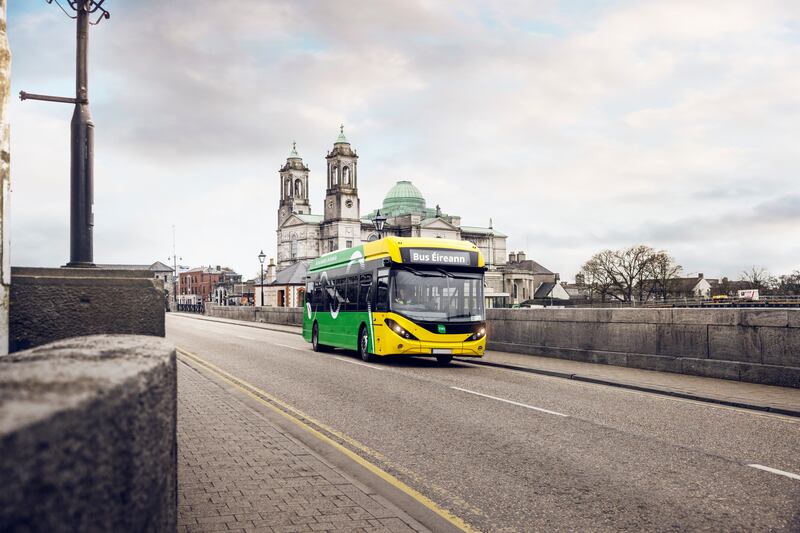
x=341 y=331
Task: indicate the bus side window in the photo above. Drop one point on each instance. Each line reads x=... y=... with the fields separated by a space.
x=317 y=298
x=364 y=293
x=310 y=292
x=341 y=289
x=382 y=299
x=352 y=293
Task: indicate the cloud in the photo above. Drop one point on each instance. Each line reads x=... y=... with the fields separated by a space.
x=575 y=129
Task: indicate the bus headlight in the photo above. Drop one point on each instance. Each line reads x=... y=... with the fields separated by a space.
x=398 y=329
x=478 y=335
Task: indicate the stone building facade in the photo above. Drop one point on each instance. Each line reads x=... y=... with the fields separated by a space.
x=302 y=235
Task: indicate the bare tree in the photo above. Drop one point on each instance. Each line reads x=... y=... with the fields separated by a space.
x=621 y=273
x=758 y=278
x=661 y=270
x=789 y=284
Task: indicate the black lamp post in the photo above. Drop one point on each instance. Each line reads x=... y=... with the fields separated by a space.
x=81 y=219
x=261 y=258
x=380 y=222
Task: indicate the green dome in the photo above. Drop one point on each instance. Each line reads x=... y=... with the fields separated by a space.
x=403 y=199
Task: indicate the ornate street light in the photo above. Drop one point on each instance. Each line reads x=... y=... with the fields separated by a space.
x=261 y=258
x=380 y=222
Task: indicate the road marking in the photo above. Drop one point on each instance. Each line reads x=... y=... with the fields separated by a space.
x=287 y=346
x=357 y=363
x=511 y=402
x=299 y=418
x=776 y=471
x=245 y=338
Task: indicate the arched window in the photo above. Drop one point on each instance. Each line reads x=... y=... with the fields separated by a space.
x=298 y=188
x=346 y=175
x=288 y=188
x=334 y=175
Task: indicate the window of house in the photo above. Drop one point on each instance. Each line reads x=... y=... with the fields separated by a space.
x=348 y=244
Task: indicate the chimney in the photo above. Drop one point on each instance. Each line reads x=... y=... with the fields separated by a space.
x=512 y=257
x=271 y=270
x=700 y=275
x=520 y=256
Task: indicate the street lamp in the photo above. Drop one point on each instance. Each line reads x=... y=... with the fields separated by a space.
x=81 y=218
x=261 y=258
x=380 y=222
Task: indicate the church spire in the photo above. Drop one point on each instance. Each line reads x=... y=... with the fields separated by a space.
x=341 y=138
x=293 y=153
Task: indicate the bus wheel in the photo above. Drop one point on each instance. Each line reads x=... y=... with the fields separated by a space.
x=443 y=360
x=363 y=345
x=315 y=339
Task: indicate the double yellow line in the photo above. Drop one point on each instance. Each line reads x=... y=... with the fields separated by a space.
x=297 y=417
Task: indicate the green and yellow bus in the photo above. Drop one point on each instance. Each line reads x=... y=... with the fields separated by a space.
x=398 y=295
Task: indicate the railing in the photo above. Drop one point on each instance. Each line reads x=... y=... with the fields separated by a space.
x=763 y=301
x=191 y=308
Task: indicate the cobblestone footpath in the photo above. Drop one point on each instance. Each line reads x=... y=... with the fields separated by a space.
x=239 y=472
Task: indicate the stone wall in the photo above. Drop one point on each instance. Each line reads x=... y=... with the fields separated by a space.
x=87 y=436
x=755 y=345
x=48 y=304
x=288 y=316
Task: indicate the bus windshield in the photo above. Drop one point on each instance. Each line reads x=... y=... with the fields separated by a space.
x=437 y=295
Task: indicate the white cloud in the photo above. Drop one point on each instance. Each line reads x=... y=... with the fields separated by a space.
x=575 y=130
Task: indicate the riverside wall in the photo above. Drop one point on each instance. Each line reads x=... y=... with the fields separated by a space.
x=287 y=316
x=754 y=345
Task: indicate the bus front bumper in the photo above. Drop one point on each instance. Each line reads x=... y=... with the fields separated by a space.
x=460 y=349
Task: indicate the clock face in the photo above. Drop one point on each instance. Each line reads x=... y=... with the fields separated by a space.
x=348 y=203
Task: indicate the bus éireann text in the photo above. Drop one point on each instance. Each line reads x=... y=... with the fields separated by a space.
x=398 y=295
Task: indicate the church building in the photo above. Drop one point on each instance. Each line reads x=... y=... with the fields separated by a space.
x=303 y=236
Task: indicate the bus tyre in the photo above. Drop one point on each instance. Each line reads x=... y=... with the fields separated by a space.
x=363 y=346
x=315 y=339
x=443 y=360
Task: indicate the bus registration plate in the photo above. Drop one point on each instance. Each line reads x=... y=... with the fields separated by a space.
x=441 y=351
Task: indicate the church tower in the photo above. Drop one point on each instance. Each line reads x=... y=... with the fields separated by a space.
x=341 y=199
x=294 y=187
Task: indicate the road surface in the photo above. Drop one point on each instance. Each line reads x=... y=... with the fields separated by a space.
x=512 y=451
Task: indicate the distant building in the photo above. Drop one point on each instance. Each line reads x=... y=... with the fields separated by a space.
x=287 y=289
x=522 y=277
x=206 y=284
x=303 y=236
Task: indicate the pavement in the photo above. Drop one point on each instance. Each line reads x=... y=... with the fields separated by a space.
x=239 y=471
x=469 y=447
x=767 y=398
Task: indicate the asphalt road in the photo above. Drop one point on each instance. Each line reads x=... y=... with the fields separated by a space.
x=512 y=451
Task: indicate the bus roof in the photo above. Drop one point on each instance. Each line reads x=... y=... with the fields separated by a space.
x=390 y=247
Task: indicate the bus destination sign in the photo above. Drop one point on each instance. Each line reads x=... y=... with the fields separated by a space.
x=439 y=257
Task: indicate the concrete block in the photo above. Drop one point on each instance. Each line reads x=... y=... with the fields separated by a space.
x=773 y=345
x=87 y=436
x=720 y=317
x=641 y=315
x=770 y=375
x=606 y=358
x=793 y=318
x=48 y=304
x=710 y=368
x=630 y=338
x=659 y=363
x=791 y=355
x=682 y=340
x=734 y=343
x=764 y=317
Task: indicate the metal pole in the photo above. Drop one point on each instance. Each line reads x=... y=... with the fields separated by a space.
x=82 y=152
x=262 y=284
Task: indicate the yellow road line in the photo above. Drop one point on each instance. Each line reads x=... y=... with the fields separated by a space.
x=259 y=395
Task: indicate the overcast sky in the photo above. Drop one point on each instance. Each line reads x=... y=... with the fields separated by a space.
x=576 y=126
